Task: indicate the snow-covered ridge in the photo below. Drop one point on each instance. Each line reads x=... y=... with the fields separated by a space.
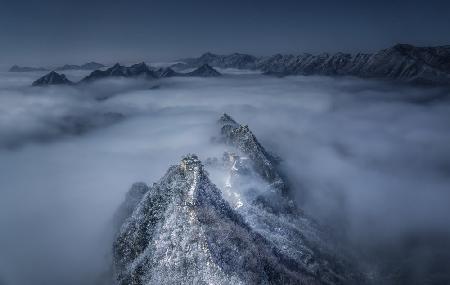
x=184 y=231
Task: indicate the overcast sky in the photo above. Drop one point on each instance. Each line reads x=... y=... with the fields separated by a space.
x=74 y=31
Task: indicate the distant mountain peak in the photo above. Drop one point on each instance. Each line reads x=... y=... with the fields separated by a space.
x=92 y=65
x=16 y=68
x=167 y=72
x=118 y=70
x=52 y=78
x=204 y=71
x=401 y=62
x=116 y=65
x=87 y=66
x=140 y=64
x=402 y=46
x=139 y=68
x=208 y=54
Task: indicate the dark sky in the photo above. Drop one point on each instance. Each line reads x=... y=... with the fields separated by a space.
x=63 y=31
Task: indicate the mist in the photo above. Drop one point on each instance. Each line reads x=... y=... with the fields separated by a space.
x=369 y=159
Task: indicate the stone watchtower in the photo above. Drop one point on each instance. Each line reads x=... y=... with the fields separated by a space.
x=189 y=162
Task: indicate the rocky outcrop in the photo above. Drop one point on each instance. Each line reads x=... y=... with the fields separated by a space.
x=52 y=78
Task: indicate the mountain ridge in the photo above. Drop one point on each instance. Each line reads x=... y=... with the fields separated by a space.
x=401 y=62
x=86 y=66
x=139 y=70
x=186 y=230
x=52 y=78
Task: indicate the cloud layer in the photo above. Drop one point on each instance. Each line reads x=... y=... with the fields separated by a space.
x=369 y=159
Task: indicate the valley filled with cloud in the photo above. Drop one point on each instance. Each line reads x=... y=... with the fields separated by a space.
x=368 y=159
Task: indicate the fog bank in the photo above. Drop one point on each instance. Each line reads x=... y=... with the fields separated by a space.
x=369 y=159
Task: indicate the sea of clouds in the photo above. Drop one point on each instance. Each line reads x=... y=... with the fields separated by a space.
x=370 y=160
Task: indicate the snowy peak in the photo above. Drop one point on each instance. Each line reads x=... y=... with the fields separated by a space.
x=52 y=78
x=184 y=232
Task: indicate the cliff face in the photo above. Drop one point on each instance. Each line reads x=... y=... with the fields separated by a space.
x=185 y=230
